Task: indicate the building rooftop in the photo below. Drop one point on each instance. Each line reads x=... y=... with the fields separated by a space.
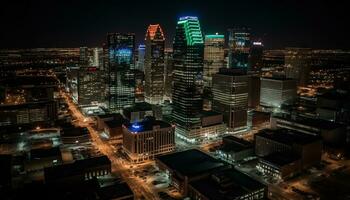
x=115 y=191
x=75 y=168
x=232 y=71
x=109 y=115
x=115 y=123
x=74 y=131
x=277 y=78
x=317 y=123
x=147 y=124
x=226 y=184
x=280 y=159
x=234 y=144
x=286 y=136
x=143 y=106
x=190 y=162
x=44 y=153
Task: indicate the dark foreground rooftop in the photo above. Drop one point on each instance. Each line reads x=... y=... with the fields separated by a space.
x=226 y=184
x=191 y=162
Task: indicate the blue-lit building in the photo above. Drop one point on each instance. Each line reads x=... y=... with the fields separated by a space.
x=120 y=65
x=188 y=55
x=148 y=138
x=239 y=47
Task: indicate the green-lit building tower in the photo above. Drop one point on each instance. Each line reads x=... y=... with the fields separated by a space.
x=188 y=47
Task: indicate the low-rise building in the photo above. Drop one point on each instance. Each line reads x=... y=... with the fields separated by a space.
x=187 y=166
x=235 y=149
x=228 y=184
x=211 y=126
x=307 y=147
x=75 y=135
x=41 y=158
x=146 y=139
x=114 y=128
x=78 y=171
x=332 y=133
x=138 y=112
x=280 y=165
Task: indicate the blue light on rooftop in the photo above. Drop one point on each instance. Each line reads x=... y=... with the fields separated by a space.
x=135 y=126
x=188 y=17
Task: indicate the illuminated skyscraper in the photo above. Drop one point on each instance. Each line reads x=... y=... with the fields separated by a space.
x=230 y=90
x=141 y=58
x=154 y=64
x=239 y=47
x=168 y=74
x=214 y=56
x=188 y=50
x=256 y=55
x=121 y=80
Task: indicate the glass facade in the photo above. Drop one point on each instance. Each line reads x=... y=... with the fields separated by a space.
x=154 y=64
x=188 y=52
x=121 y=79
x=239 y=47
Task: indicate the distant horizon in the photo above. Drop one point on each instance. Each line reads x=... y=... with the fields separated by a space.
x=64 y=24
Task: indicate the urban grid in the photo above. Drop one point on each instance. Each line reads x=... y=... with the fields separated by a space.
x=189 y=108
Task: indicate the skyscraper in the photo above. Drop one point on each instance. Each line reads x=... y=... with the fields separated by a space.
x=276 y=91
x=140 y=58
x=230 y=90
x=256 y=56
x=154 y=64
x=121 y=80
x=239 y=47
x=214 y=56
x=187 y=75
x=168 y=74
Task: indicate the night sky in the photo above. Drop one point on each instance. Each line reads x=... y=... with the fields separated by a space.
x=74 y=23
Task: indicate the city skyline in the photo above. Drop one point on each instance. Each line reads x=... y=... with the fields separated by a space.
x=174 y=100
x=278 y=24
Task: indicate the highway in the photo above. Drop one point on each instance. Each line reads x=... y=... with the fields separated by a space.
x=119 y=166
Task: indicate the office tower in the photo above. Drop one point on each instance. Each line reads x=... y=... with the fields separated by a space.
x=298 y=64
x=168 y=74
x=230 y=90
x=120 y=61
x=239 y=47
x=91 y=57
x=154 y=64
x=253 y=91
x=188 y=49
x=149 y=138
x=141 y=57
x=256 y=56
x=214 y=56
x=90 y=86
x=276 y=91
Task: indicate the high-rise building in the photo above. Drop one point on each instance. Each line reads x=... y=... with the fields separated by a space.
x=214 y=57
x=168 y=74
x=91 y=57
x=298 y=64
x=154 y=64
x=120 y=61
x=276 y=91
x=188 y=49
x=239 y=47
x=230 y=91
x=256 y=56
x=141 y=58
x=90 y=86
